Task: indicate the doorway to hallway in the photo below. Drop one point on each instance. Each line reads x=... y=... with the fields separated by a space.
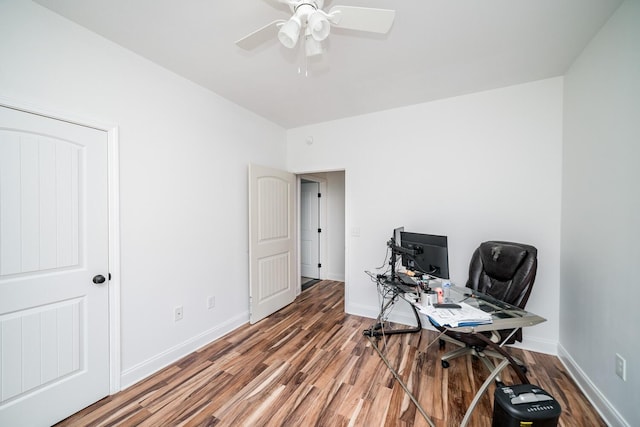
x=310 y=229
x=321 y=227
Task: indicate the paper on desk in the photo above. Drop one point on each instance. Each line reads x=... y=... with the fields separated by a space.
x=454 y=317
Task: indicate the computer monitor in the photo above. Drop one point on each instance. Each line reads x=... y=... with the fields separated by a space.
x=397 y=237
x=430 y=253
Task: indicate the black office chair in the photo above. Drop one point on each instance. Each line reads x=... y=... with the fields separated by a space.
x=506 y=271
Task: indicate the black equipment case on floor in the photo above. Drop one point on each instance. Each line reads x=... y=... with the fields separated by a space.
x=524 y=405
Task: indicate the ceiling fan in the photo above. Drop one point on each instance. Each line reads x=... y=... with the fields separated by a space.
x=315 y=24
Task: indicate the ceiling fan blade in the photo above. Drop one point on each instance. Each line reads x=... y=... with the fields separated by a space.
x=362 y=18
x=261 y=35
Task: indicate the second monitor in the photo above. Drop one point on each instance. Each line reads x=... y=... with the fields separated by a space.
x=431 y=254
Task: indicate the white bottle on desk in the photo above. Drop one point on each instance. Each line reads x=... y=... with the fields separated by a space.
x=446 y=291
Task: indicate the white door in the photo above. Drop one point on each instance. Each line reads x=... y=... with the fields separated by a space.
x=272 y=257
x=54 y=331
x=309 y=230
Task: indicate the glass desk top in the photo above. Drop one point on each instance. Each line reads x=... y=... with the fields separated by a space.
x=504 y=316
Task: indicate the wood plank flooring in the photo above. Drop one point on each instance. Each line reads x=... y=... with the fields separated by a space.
x=310 y=365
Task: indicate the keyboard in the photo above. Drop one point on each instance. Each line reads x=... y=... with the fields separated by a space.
x=406 y=279
x=406 y=288
x=406 y=283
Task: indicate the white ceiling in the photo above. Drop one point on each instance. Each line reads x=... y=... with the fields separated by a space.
x=435 y=49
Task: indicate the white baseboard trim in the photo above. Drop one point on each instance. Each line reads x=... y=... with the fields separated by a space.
x=539 y=345
x=606 y=410
x=154 y=364
x=335 y=277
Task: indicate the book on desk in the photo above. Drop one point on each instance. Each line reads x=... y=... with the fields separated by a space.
x=466 y=315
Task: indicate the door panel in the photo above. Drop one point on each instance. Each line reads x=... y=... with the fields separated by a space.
x=39 y=190
x=271 y=241
x=54 y=330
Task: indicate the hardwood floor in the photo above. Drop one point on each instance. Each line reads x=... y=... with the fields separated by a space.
x=309 y=364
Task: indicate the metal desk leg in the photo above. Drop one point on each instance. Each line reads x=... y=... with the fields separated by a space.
x=518 y=370
x=483 y=388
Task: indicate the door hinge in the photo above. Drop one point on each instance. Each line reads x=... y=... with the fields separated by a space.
x=109 y=276
x=319 y=265
x=319 y=195
x=319 y=230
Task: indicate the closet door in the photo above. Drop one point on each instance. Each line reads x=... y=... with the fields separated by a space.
x=54 y=330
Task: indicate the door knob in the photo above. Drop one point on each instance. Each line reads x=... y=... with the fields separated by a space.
x=99 y=279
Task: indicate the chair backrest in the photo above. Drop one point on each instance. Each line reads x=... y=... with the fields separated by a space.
x=504 y=270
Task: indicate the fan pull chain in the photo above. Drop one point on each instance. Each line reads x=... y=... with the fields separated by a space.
x=306 y=67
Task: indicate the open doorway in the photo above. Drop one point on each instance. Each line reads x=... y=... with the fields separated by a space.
x=321 y=227
x=310 y=231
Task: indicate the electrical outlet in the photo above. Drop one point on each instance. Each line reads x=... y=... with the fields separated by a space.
x=621 y=367
x=177 y=313
x=211 y=302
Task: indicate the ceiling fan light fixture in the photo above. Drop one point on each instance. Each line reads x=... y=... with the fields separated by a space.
x=309 y=17
x=319 y=25
x=312 y=47
x=290 y=32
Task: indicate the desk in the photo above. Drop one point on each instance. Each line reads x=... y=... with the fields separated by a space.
x=504 y=316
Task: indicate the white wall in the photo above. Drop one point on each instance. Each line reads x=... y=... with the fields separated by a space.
x=476 y=167
x=183 y=173
x=335 y=221
x=601 y=217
